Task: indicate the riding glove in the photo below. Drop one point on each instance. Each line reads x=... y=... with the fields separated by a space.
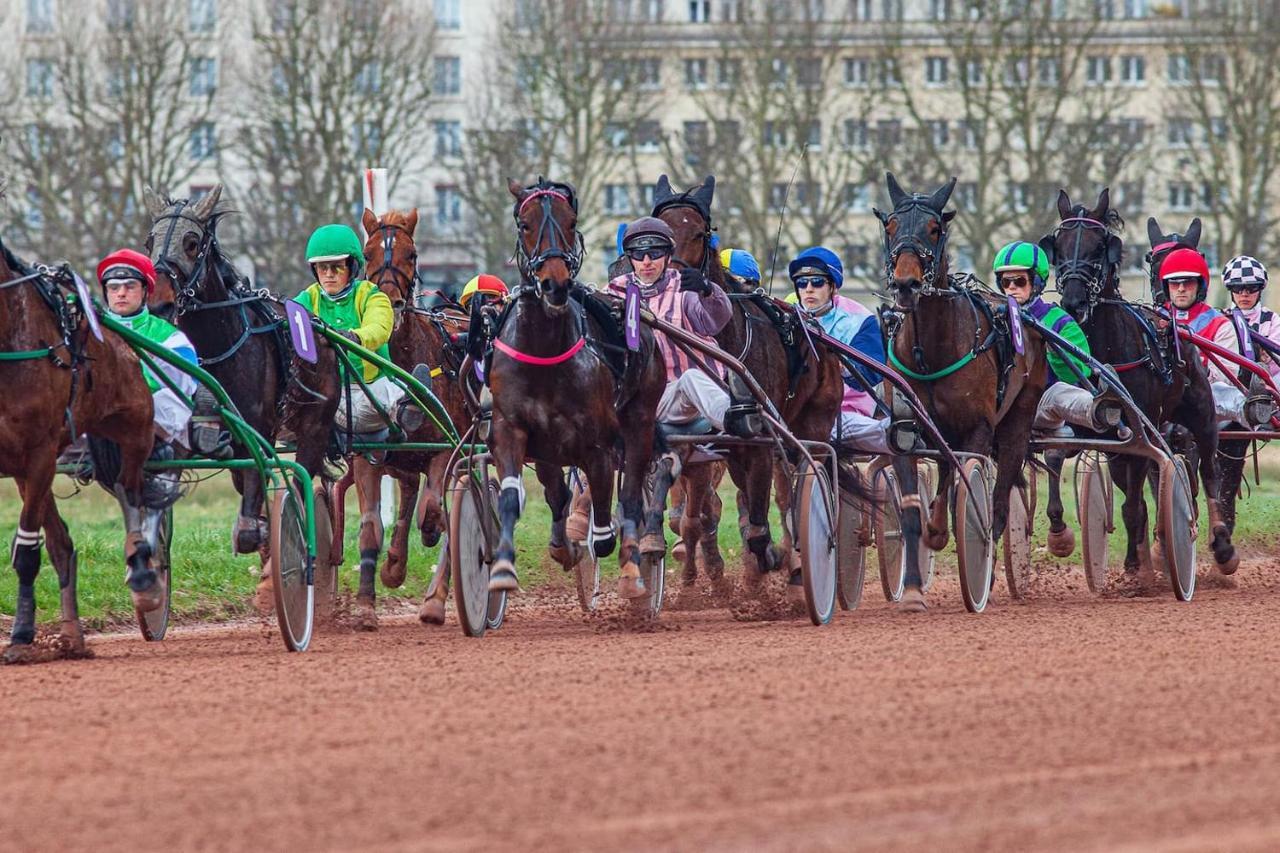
x=693 y=280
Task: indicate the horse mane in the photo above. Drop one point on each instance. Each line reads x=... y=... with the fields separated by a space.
x=13 y=262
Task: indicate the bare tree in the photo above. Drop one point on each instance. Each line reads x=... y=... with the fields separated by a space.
x=328 y=90
x=1225 y=111
x=117 y=96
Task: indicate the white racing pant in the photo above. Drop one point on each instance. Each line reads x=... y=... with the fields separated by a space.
x=364 y=417
x=172 y=417
x=1228 y=404
x=856 y=431
x=691 y=395
x=1063 y=404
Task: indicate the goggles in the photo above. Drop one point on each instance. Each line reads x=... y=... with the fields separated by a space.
x=112 y=285
x=643 y=252
x=805 y=282
x=1245 y=288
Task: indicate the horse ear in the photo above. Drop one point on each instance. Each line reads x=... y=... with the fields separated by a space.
x=514 y=187
x=204 y=208
x=1104 y=204
x=1115 y=249
x=662 y=190
x=1193 y=233
x=942 y=195
x=155 y=205
x=1154 y=234
x=705 y=193
x=411 y=221
x=896 y=195
x=1064 y=204
x=369 y=221
x=883 y=217
x=1049 y=245
x=947 y=216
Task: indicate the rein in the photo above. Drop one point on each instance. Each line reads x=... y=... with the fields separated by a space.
x=550 y=231
x=931 y=257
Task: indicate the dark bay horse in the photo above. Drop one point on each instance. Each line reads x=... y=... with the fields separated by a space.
x=58 y=375
x=557 y=399
x=237 y=332
x=804 y=385
x=979 y=391
x=1164 y=375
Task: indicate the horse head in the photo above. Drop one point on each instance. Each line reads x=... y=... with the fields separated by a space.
x=1085 y=251
x=1162 y=244
x=391 y=256
x=689 y=215
x=181 y=243
x=915 y=241
x=549 y=247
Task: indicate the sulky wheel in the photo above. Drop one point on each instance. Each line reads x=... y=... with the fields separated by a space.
x=975 y=548
x=815 y=527
x=1177 y=527
x=1017 y=544
x=497 y=598
x=586 y=573
x=927 y=485
x=468 y=560
x=326 y=573
x=851 y=554
x=293 y=567
x=888 y=534
x=1096 y=524
x=154 y=623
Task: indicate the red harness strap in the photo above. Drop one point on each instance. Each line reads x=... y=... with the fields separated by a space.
x=540 y=361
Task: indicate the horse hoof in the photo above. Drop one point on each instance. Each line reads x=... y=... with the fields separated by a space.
x=678 y=551
x=246 y=540
x=393 y=571
x=934 y=540
x=19 y=653
x=630 y=584
x=264 y=599
x=431 y=612
x=1232 y=563
x=795 y=587
x=149 y=599
x=503 y=577
x=653 y=544
x=366 y=617
x=430 y=538
x=1062 y=543
x=567 y=555
x=578 y=525
x=913 y=601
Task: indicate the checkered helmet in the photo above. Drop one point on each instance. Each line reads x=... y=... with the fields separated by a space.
x=1243 y=271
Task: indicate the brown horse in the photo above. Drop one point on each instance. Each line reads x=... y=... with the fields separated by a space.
x=804 y=385
x=426 y=338
x=985 y=406
x=558 y=400
x=68 y=377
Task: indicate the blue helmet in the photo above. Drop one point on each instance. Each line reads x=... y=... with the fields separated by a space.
x=740 y=264
x=821 y=260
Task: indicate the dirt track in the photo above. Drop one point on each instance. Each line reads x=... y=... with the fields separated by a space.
x=1066 y=723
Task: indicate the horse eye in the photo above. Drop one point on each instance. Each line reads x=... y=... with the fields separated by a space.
x=190 y=243
x=150 y=243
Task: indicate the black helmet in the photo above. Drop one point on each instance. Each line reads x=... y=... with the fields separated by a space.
x=648 y=232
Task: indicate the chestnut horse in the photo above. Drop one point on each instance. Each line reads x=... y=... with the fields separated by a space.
x=1166 y=379
x=804 y=385
x=61 y=377
x=558 y=401
x=982 y=398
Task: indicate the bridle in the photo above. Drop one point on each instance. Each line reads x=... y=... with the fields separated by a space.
x=1092 y=273
x=407 y=284
x=184 y=290
x=913 y=215
x=707 y=229
x=559 y=244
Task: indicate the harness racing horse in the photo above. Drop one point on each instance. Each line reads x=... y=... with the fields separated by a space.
x=71 y=382
x=237 y=332
x=801 y=381
x=419 y=337
x=558 y=400
x=951 y=343
x=1162 y=374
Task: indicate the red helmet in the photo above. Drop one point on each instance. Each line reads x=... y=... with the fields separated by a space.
x=1185 y=263
x=126 y=263
x=483 y=283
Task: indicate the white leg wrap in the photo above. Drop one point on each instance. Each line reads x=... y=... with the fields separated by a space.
x=517 y=484
x=26 y=537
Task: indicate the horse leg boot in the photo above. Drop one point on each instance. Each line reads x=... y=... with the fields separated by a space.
x=1062 y=541
x=669 y=467
x=510 y=506
x=25 y=557
x=431 y=612
x=63 y=556
x=911 y=510
x=396 y=566
x=560 y=548
x=578 y=526
x=369 y=540
x=141 y=530
x=1206 y=447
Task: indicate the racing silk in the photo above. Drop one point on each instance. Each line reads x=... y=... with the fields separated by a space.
x=860 y=331
x=1267 y=324
x=363 y=309
x=171 y=412
x=1053 y=318
x=1208 y=323
x=702 y=316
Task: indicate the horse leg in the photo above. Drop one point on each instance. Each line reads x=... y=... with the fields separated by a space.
x=1062 y=541
x=25 y=553
x=936 y=533
x=556 y=492
x=709 y=545
x=637 y=455
x=911 y=513
x=63 y=556
x=668 y=470
x=1131 y=475
x=1206 y=444
x=508 y=448
x=339 y=502
x=369 y=493
x=431 y=520
x=758 y=479
x=1234 y=455
x=396 y=566
x=675 y=516
x=248 y=534
x=696 y=486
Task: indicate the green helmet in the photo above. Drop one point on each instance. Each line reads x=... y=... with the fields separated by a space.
x=1020 y=256
x=333 y=243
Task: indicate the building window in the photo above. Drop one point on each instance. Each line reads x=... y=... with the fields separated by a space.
x=970 y=134
x=973 y=73
x=39 y=78
x=1182 y=196
x=939 y=132
x=857 y=259
x=1133 y=70
x=203 y=141
x=888 y=133
x=774 y=134
x=1132 y=130
x=448 y=76
x=1015 y=71
x=856 y=198
x=695 y=73
x=366 y=139
x=368 y=80
x=1135 y=8
x=648 y=136
x=699 y=11
x=731 y=10
x=1048 y=70
x=203 y=72
x=448 y=206
x=617 y=199
x=889 y=73
x=935 y=70
x=1098 y=69
x=728 y=72
x=39 y=16
x=202 y=15
x=728 y=135
x=697 y=140
x=448 y=14
x=966 y=196
x=1105 y=9
x=1181 y=132
x=1129 y=195
x=940 y=10
x=809 y=73
x=644 y=196
x=650 y=73
x=813 y=134
x=448 y=138
x=856 y=133
x=284 y=14
x=1179 y=68
x=121 y=15
x=857 y=71
x=650 y=11
x=1213 y=69
x=891 y=10
x=777 y=196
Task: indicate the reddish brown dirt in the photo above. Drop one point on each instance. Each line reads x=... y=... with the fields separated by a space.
x=1067 y=723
